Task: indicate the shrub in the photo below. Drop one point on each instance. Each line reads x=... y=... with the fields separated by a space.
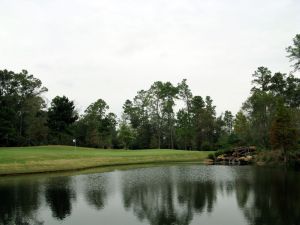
x=211 y=156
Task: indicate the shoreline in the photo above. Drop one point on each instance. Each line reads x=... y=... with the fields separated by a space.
x=104 y=166
x=55 y=159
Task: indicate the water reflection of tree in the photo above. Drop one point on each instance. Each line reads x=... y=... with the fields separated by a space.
x=163 y=200
x=275 y=197
x=59 y=195
x=199 y=195
x=19 y=204
x=97 y=190
x=242 y=190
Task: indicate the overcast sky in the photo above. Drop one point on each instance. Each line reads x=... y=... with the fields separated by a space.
x=110 y=49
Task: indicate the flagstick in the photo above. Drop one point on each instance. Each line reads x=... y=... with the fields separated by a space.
x=74 y=140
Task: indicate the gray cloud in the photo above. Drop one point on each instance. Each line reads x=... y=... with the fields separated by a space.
x=110 y=49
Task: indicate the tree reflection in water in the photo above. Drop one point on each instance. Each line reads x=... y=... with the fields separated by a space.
x=164 y=198
x=196 y=189
x=96 y=190
x=198 y=196
x=274 y=197
x=59 y=195
x=19 y=203
x=159 y=196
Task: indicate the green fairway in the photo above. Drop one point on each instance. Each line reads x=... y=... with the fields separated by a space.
x=61 y=158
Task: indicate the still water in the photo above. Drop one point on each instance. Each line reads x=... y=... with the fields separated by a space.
x=170 y=194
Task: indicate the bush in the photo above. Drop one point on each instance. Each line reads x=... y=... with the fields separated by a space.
x=211 y=156
x=222 y=151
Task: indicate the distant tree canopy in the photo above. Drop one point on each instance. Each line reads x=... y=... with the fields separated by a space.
x=61 y=115
x=153 y=119
x=283 y=132
x=22 y=111
x=294 y=52
x=268 y=94
x=269 y=118
x=97 y=127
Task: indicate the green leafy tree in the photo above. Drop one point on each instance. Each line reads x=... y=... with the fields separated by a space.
x=169 y=94
x=184 y=116
x=126 y=134
x=260 y=107
x=204 y=123
x=35 y=121
x=241 y=127
x=228 y=121
x=137 y=113
x=262 y=77
x=21 y=106
x=108 y=130
x=61 y=115
x=100 y=125
x=184 y=130
x=155 y=96
x=210 y=124
x=278 y=83
x=286 y=87
x=292 y=91
x=198 y=108
x=224 y=128
x=152 y=112
x=294 y=52
x=185 y=94
x=283 y=134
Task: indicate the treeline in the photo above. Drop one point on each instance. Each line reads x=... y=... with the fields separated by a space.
x=148 y=121
x=269 y=118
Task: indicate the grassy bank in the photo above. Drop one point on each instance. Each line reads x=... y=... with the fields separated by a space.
x=62 y=158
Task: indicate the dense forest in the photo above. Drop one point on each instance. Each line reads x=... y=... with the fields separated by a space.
x=268 y=119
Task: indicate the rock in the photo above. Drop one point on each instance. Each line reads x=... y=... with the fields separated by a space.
x=209 y=162
x=249 y=158
x=240 y=155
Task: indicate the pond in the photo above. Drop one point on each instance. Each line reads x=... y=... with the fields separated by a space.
x=159 y=195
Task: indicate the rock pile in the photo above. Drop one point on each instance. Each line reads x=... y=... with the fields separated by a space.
x=237 y=156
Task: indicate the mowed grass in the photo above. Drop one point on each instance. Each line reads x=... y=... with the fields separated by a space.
x=18 y=160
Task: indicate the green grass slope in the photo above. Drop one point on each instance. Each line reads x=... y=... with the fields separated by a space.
x=18 y=160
